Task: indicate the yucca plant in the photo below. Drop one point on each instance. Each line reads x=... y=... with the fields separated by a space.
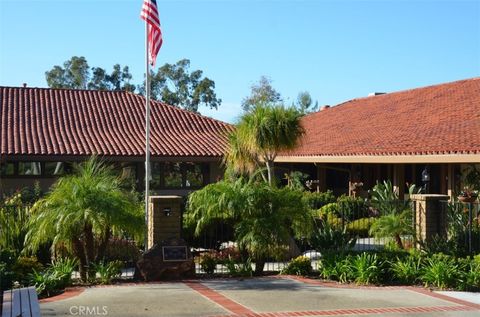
x=366 y=268
x=440 y=271
x=108 y=271
x=407 y=270
x=14 y=216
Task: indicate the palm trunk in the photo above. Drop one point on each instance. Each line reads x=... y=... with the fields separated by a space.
x=102 y=246
x=398 y=240
x=79 y=252
x=270 y=171
x=259 y=265
x=89 y=249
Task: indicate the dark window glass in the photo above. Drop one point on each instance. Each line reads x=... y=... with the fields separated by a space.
x=173 y=175
x=7 y=169
x=194 y=175
x=54 y=168
x=29 y=168
x=156 y=172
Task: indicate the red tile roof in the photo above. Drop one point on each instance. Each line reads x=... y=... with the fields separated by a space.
x=440 y=119
x=41 y=121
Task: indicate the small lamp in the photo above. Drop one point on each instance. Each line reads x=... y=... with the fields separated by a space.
x=167 y=211
x=425 y=178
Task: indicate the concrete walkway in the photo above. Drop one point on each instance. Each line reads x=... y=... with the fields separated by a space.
x=261 y=297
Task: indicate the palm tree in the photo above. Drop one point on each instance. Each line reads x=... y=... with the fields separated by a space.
x=396 y=215
x=263 y=216
x=393 y=225
x=82 y=212
x=260 y=135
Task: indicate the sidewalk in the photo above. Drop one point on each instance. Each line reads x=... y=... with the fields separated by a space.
x=259 y=297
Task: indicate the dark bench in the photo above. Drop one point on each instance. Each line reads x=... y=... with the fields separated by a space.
x=21 y=302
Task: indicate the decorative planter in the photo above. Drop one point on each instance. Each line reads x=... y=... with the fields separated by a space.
x=467 y=199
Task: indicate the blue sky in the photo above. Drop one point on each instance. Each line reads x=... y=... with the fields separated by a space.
x=336 y=50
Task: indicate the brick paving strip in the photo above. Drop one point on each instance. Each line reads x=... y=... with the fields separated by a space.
x=69 y=292
x=219 y=299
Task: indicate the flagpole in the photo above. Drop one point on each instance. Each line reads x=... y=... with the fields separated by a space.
x=147 y=133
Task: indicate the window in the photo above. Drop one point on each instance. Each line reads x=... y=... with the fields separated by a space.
x=54 y=168
x=29 y=168
x=193 y=175
x=7 y=169
x=177 y=175
x=156 y=173
x=172 y=173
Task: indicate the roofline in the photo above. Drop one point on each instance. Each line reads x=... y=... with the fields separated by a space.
x=346 y=102
x=113 y=158
x=385 y=159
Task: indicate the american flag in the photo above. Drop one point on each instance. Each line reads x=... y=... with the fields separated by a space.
x=149 y=13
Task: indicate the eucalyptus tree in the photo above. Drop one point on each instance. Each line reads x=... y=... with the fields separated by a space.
x=82 y=212
x=263 y=217
x=260 y=136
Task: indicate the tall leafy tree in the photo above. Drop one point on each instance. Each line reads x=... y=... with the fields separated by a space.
x=262 y=93
x=82 y=212
x=304 y=103
x=74 y=74
x=77 y=74
x=174 y=84
x=263 y=217
x=260 y=135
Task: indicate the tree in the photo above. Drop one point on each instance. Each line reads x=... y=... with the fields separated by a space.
x=175 y=85
x=396 y=215
x=118 y=80
x=305 y=104
x=262 y=94
x=77 y=74
x=82 y=212
x=74 y=74
x=263 y=216
x=260 y=135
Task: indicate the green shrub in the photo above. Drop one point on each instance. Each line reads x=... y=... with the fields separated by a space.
x=440 y=271
x=328 y=237
x=360 y=227
x=407 y=270
x=24 y=266
x=352 y=208
x=336 y=266
x=208 y=262
x=53 y=279
x=440 y=244
x=366 y=268
x=47 y=283
x=63 y=268
x=316 y=200
x=299 y=266
x=108 y=271
x=469 y=271
x=7 y=277
x=330 y=209
x=242 y=269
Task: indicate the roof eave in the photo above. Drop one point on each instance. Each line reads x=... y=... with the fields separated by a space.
x=382 y=159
